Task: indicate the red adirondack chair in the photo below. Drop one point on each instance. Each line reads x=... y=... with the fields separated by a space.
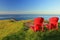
x=53 y=23
x=38 y=24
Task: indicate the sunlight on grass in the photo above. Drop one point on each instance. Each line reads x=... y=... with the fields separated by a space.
x=15 y=31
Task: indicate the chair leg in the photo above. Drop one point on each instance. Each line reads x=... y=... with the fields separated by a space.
x=42 y=28
x=57 y=27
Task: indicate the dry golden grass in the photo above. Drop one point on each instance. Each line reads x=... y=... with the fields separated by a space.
x=7 y=27
x=13 y=30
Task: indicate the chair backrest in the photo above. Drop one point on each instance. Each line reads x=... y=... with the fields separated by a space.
x=53 y=20
x=38 y=20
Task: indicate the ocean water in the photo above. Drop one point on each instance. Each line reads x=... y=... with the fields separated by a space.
x=25 y=16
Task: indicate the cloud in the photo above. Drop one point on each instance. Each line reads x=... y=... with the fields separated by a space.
x=40 y=12
x=30 y=12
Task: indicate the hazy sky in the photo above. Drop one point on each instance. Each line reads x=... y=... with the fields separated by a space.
x=30 y=6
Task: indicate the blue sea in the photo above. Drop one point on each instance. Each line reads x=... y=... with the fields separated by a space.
x=25 y=16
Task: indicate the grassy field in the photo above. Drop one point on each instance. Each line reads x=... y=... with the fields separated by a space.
x=15 y=30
